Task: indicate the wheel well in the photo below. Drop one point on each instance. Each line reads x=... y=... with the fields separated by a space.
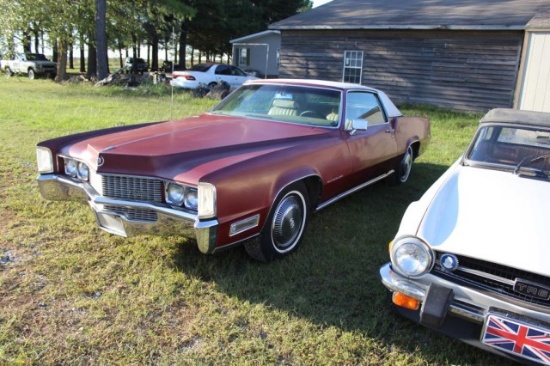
x=416 y=147
x=314 y=188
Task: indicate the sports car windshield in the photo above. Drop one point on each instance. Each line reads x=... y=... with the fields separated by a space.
x=293 y=104
x=523 y=150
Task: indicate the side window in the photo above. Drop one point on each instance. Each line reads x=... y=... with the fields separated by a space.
x=236 y=71
x=365 y=105
x=353 y=67
x=223 y=70
x=244 y=56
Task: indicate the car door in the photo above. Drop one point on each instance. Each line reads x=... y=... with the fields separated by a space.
x=371 y=150
x=223 y=73
x=232 y=75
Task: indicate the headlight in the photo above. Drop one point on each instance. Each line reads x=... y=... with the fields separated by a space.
x=411 y=257
x=191 y=199
x=83 y=171
x=44 y=160
x=175 y=194
x=76 y=169
x=206 y=201
x=71 y=167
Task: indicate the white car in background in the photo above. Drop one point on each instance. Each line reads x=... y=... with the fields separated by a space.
x=210 y=75
x=471 y=258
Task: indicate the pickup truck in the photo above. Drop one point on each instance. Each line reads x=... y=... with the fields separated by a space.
x=32 y=64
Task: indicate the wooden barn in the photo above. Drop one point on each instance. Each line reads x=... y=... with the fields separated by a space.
x=470 y=55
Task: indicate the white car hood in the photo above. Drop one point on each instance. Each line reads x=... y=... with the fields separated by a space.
x=486 y=214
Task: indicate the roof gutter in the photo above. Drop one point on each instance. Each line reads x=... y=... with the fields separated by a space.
x=400 y=27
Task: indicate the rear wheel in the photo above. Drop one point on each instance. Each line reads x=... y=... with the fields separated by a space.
x=285 y=225
x=404 y=168
x=8 y=71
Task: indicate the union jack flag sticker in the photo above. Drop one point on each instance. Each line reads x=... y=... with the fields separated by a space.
x=518 y=338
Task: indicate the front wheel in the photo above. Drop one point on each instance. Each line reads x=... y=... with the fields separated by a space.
x=285 y=225
x=30 y=74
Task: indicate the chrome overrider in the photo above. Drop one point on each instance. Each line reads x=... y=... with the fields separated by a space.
x=467 y=303
x=169 y=221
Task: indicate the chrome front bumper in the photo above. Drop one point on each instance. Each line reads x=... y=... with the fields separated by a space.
x=466 y=303
x=169 y=221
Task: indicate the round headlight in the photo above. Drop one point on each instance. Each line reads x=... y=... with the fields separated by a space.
x=71 y=167
x=191 y=199
x=83 y=171
x=175 y=194
x=411 y=257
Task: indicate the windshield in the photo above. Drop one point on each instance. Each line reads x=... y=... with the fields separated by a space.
x=294 y=104
x=520 y=149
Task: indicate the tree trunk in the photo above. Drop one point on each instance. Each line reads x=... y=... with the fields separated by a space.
x=71 y=58
x=82 y=58
x=183 y=45
x=92 y=62
x=101 y=39
x=61 y=60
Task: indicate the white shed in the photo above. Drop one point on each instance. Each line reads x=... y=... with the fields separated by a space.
x=533 y=91
x=258 y=52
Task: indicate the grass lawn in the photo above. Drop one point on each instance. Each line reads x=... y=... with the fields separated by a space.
x=73 y=294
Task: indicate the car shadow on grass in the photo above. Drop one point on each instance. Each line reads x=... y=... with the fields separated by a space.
x=332 y=279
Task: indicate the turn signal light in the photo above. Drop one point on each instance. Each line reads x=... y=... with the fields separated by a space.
x=405 y=301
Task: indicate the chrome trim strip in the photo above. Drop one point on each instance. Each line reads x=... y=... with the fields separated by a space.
x=353 y=190
x=485 y=275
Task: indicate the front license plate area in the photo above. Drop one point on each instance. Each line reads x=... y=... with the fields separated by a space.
x=517 y=337
x=111 y=223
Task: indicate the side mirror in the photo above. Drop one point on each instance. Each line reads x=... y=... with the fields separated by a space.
x=354 y=125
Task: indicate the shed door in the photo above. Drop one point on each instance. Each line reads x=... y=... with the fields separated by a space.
x=535 y=91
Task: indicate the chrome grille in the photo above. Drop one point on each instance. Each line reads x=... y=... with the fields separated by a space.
x=132 y=188
x=492 y=277
x=132 y=213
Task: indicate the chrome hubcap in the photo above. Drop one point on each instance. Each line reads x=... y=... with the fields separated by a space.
x=288 y=223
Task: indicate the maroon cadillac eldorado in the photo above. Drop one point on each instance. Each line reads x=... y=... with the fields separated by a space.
x=250 y=171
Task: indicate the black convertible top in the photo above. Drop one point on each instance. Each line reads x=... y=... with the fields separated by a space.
x=516 y=116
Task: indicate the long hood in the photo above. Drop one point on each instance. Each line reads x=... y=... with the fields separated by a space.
x=490 y=215
x=194 y=145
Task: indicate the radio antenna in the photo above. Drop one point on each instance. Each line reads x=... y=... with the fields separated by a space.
x=171 y=77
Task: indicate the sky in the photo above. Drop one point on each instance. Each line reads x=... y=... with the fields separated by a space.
x=317 y=3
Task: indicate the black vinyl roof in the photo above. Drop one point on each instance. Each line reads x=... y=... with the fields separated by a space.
x=516 y=116
x=419 y=14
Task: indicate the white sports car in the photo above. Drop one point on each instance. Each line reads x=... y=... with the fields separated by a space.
x=471 y=258
x=210 y=75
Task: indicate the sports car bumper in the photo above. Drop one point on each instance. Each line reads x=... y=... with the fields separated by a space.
x=168 y=221
x=458 y=311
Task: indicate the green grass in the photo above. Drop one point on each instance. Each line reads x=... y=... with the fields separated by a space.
x=72 y=294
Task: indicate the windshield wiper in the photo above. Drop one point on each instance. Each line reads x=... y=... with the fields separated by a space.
x=526 y=162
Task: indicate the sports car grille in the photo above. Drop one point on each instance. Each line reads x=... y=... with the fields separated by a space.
x=494 y=277
x=135 y=189
x=132 y=188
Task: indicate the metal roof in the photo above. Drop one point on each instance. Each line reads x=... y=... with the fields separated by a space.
x=255 y=35
x=418 y=14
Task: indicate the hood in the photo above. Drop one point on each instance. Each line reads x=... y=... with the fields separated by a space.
x=491 y=215
x=194 y=145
